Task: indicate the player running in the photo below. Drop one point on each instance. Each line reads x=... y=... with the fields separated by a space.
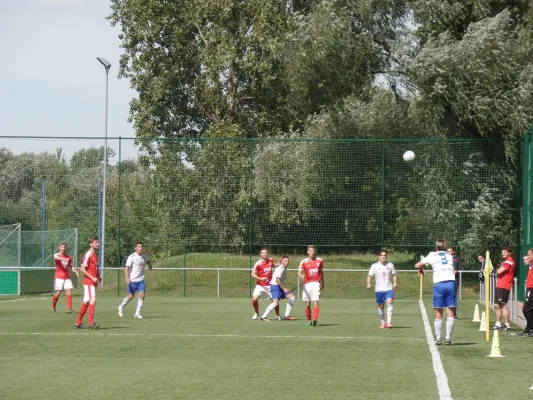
x=385 y=277
x=311 y=271
x=91 y=277
x=62 y=281
x=134 y=274
x=262 y=272
x=443 y=288
x=279 y=291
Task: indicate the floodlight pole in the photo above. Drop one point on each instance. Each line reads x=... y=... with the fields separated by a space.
x=107 y=66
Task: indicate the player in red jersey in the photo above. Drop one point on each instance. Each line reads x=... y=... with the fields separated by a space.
x=262 y=273
x=504 y=283
x=311 y=271
x=62 y=281
x=527 y=308
x=91 y=277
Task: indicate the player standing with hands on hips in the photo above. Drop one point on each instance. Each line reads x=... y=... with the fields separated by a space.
x=134 y=274
x=443 y=288
x=311 y=271
x=386 y=280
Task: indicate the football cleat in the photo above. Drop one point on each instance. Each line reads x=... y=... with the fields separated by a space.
x=315 y=322
x=120 y=311
x=289 y=318
x=438 y=341
x=94 y=326
x=69 y=311
x=255 y=316
x=389 y=325
x=54 y=310
x=506 y=328
x=309 y=323
x=78 y=326
x=278 y=317
x=382 y=326
x=137 y=315
x=496 y=328
x=448 y=342
x=265 y=319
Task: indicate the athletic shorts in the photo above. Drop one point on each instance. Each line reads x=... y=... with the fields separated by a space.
x=259 y=290
x=501 y=295
x=311 y=291
x=63 y=284
x=381 y=297
x=89 y=293
x=136 y=287
x=277 y=293
x=444 y=295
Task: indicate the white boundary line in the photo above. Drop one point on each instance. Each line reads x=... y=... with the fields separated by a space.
x=191 y=335
x=442 y=379
x=36 y=298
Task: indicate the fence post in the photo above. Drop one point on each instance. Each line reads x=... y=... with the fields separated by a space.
x=250 y=234
x=118 y=212
x=43 y=220
x=218 y=283
x=382 y=193
x=460 y=285
x=184 y=271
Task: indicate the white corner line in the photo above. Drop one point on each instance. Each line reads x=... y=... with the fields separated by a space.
x=442 y=379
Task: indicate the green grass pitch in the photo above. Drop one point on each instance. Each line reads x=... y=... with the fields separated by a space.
x=197 y=348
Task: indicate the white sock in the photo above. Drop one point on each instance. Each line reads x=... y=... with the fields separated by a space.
x=380 y=312
x=498 y=323
x=438 y=327
x=449 y=327
x=125 y=301
x=289 y=306
x=269 y=309
x=140 y=303
x=389 y=313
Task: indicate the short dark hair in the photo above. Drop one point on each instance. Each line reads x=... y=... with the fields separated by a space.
x=137 y=243
x=263 y=248
x=62 y=243
x=91 y=240
x=507 y=248
x=383 y=251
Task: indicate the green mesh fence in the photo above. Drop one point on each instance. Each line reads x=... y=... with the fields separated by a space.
x=232 y=196
x=10 y=245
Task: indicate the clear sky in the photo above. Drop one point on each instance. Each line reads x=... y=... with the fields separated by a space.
x=50 y=81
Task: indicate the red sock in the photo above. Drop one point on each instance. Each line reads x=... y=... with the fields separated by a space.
x=308 y=314
x=83 y=309
x=255 y=303
x=277 y=310
x=316 y=312
x=91 y=314
x=69 y=302
x=54 y=301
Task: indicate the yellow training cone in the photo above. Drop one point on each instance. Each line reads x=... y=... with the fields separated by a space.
x=495 y=350
x=483 y=325
x=476 y=314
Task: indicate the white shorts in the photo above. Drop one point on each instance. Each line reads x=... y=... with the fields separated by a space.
x=259 y=290
x=89 y=293
x=311 y=291
x=63 y=284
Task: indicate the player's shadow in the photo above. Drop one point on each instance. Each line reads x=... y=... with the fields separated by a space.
x=154 y=317
x=463 y=344
x=319 y=325
x=402 y=327
x=113 y=327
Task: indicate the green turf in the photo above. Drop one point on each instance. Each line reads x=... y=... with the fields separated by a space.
x=195 y=348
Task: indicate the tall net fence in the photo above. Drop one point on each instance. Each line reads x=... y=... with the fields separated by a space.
x=10 y=245
x=234 y=196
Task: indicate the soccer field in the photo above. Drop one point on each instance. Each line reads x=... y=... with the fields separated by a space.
x=194 y=348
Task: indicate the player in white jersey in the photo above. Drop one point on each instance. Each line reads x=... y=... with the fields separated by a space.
x=279 y=291
x=134 y=274
x=386 y=281
x=443 y=288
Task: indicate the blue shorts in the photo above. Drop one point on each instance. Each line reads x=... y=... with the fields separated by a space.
x=277 y=292
x=136 y=287
x=444 y=295
x=381 y=297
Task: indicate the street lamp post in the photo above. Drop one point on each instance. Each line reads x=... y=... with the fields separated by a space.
x=107 y=66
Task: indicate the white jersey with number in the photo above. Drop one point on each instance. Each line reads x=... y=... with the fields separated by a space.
x=135 y=264
x=442 y=264
x=279 y=272
x=383 y=275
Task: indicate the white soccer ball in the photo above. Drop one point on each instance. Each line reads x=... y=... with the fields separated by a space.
x=408 y=156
